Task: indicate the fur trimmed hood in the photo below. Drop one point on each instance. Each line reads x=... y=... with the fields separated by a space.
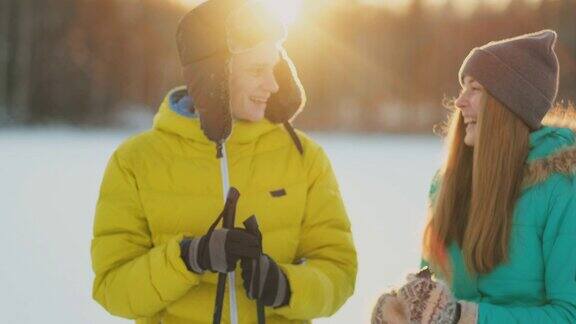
x=561 y=160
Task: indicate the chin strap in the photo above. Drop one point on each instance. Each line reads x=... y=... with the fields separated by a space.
x=294 y=137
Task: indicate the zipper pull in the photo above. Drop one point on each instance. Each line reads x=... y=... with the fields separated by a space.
x=219 y=148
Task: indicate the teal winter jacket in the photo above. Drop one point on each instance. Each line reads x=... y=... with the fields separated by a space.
x=538 y=282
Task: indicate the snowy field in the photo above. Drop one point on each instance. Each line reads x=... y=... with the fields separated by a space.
x=49 y=181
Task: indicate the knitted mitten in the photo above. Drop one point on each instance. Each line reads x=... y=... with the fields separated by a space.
x=389 y=310
x=423 y=300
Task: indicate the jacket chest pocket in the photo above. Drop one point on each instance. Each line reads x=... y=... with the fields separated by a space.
x=280 y=211
x=281 y=206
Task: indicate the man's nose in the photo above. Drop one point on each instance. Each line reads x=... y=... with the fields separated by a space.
x=270 y=84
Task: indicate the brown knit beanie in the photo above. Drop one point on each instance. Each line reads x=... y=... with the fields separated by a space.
x=521 y=72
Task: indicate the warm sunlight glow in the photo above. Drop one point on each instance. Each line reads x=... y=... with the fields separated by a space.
x=463 y=7
x=287 y=10
x=190 y=3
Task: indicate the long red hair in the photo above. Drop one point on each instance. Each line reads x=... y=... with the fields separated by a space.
x=478 y=190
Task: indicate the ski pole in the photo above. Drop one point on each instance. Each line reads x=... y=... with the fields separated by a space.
x=228 y=215
x=251 y=224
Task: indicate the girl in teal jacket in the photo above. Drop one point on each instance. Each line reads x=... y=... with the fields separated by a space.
x=501 y=236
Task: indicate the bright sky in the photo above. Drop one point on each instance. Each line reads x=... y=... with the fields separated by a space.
x=289 y=9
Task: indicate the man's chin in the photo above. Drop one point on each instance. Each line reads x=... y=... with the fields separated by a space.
x=258 y=113
x=252 y=118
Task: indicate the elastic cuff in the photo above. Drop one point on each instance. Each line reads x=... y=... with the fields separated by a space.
x=189 y=252
x=287 y=292
x=184 y=247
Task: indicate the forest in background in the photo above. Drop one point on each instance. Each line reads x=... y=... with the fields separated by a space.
x=365 y=68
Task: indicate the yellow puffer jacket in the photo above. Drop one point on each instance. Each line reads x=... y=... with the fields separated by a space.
x=166 y=183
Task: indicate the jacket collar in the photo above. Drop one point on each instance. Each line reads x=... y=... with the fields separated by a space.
x=552 y=150
x=172 y=118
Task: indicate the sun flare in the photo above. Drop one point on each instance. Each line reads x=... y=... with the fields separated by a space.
x=287 y=10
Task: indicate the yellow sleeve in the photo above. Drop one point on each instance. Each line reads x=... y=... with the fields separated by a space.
x=133 y=278
x=326 y=279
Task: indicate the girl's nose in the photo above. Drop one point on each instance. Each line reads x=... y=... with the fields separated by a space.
x=461 y=102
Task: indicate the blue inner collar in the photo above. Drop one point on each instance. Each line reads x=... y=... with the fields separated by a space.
x=181 y=103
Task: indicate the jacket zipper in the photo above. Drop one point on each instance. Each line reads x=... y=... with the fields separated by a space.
x=224 y=175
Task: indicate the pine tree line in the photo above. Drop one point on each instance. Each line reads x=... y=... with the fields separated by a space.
x=364 y=68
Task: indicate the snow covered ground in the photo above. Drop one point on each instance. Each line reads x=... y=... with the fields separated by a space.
x=49 y=180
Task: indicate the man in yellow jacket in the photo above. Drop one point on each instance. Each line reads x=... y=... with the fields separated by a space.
x=162 y=189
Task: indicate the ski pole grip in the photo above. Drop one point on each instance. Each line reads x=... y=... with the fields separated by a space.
x=251 y=224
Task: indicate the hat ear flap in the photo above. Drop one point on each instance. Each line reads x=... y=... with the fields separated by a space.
x=290 y=99
x=203 y=53
x=207 y=83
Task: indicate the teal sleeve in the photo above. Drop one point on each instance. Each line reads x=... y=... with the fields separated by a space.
x=559 y=247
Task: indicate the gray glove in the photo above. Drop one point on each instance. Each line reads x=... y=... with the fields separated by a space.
x=266 y=283
x=219 y=250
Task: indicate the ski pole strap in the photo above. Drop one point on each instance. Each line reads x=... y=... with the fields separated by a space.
x=230 y=208
x=229 y=211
